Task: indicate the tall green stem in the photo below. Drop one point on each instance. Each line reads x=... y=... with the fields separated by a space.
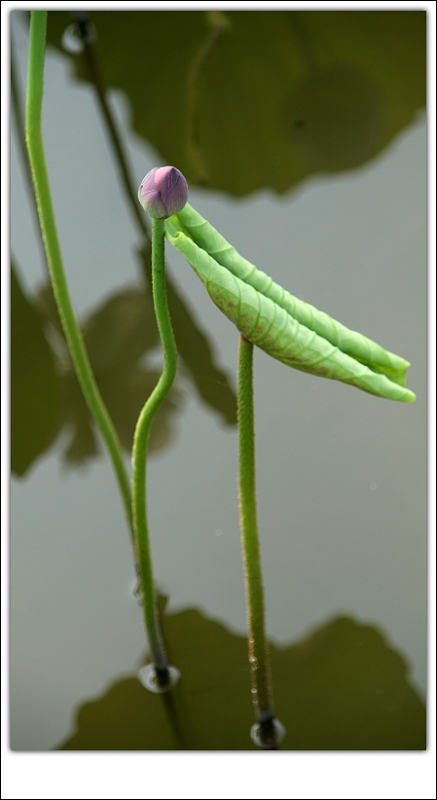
x=139 y=454
x=35 y=80
x=259 y=661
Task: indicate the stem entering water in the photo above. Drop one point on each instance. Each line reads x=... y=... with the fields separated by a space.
x=268 y=730
x=139 y=453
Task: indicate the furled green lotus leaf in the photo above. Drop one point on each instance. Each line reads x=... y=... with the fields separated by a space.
x=284 y=327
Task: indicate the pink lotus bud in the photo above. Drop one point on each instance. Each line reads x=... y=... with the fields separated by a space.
x=163 y=192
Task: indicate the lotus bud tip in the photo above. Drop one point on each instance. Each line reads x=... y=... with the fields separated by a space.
x=163 y=192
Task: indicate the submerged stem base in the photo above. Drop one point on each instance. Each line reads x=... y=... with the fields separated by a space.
x=268 y=734
x=158 y=681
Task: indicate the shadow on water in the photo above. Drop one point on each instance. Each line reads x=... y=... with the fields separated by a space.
x=120 y=336
x=341 y=688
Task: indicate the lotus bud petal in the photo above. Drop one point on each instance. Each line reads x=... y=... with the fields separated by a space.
x=163 y=192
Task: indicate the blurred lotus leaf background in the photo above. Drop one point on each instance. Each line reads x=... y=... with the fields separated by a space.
x=118 y=336
x=45 y=391
x=35 y=382
x=241 y=100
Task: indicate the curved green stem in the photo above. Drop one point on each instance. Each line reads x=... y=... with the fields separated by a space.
x=38 y=22
x=258 y=647
x=139 y=453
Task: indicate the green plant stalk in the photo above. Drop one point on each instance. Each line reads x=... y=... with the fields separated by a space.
x=258 y=647
x=139 y=453
x=38 y=22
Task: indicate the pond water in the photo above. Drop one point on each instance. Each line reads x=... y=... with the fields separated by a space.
x=341 y=474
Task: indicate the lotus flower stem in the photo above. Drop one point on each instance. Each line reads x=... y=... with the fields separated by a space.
x=139 y=453
x=267 y=731
x=38 y=23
